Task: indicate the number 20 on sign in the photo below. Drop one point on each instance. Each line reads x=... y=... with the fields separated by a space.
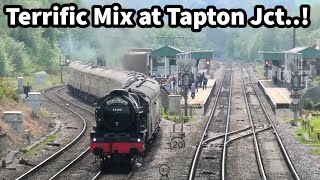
x=177 y=143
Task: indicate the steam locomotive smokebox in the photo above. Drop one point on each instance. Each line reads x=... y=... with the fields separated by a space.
x=2 y=143
x=20 y=84
x=14 y=118
x=40 y=77
x=174 y=104
x=34 y=100
x=136 y=61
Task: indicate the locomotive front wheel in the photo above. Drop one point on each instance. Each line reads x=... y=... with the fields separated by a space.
x=103 y=165
x=133 y=162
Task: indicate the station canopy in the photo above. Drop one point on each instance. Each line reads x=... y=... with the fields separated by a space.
x=165 y=51
x=307 y=52
x=205 y=54
x=273 y=56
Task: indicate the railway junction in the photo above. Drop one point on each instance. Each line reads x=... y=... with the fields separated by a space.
x=235 y=99
x=235 y=128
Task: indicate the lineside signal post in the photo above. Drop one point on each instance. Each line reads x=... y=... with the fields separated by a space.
x=64 y=62
x=296 y=96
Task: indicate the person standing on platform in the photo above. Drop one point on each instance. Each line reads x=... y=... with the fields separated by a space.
x=276 y=77
x=205 y=81
x=200 y=80
x=197 y=85
x=281 y=77
x=193 y=90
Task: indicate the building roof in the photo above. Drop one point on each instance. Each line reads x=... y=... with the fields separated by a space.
x=273 y=56
x=166 y=51
x=307 y=52
x=204 y=54
x=140 y=50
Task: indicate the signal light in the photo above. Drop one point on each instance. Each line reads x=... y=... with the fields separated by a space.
x=266 y=62
x=208 y=62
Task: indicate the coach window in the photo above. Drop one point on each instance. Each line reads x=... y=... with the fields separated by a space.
x=71 y=75
x=86 y=79
x=94 y=81
x=106 y=84
x=76 y=76
x=100 y=81
x=91 y=81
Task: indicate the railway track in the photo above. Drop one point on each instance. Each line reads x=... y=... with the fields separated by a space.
x=99 y=176
x=68 y=162
x=59 y=159
x=80 y=168
x=272 y=163
x=273 y=159
x=220 y=103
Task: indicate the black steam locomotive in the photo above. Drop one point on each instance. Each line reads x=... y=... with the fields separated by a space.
x=127 y=116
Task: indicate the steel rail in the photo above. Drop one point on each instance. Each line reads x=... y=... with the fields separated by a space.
x=221 y=136
x=77 y=159
x=255 y=140
x=224 y=150
x=247 y=135
x=282 y=147
x=58 y=153
x=195 y=159
x=99 y=174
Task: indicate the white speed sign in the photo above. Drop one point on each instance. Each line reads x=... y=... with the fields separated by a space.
x=177 y=143
x=295 y=101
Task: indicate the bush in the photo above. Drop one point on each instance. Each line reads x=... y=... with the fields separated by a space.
x=6 y=91
x=308 y=104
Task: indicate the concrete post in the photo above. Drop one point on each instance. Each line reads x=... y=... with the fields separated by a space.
x=151 y=66
x=174 y=104
x=165 y=66
x=34 y=100
x=14 y=118
x=2 y=143
x=20 y=84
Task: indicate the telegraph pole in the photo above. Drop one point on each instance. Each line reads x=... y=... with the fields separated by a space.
x=294 y=38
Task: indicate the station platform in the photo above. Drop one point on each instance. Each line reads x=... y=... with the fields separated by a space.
x=202 y=96
x=278 y=96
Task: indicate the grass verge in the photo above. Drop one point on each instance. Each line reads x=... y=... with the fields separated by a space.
x=37 y=148
x=311 y=140
x=174 y=118
x=261 y=71
x=50 y=80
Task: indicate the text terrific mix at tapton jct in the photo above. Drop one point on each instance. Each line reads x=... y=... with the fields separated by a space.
x=69 y=15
